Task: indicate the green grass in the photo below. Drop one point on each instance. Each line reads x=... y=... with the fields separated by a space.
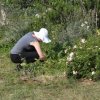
x=12 y=87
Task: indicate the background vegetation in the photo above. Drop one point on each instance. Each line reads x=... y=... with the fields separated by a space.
x=67 y=21
x=74 y=28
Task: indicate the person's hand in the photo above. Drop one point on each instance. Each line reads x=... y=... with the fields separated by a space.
x=42 y=57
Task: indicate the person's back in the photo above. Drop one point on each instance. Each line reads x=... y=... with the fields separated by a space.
x=23 y=43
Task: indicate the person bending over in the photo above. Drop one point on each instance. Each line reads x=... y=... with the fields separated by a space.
x=28 y=47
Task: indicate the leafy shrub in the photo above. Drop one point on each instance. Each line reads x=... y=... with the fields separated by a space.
x=65 y=20
x=54 y=64
x=84 y=60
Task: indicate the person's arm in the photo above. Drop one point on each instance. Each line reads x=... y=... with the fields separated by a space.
x=38 y=49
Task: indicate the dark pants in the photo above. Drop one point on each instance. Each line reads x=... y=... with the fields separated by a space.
x=29 y=55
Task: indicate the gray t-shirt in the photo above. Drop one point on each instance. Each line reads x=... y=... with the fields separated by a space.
x=23 y=43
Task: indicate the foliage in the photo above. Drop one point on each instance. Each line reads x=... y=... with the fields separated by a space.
x=59 y=17
x=66 y=21
x=85 y=62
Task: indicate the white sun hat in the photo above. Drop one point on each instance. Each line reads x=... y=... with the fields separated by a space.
x=43 y=35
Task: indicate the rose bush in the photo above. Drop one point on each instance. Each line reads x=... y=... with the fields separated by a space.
x=86 y=60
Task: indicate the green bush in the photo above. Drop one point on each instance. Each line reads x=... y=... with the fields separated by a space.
x=63 y=19
x=84 y=60
x=54 y=64
x=66 y=20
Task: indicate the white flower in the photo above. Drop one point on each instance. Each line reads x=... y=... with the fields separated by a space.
x=93 y=72
x=88 y=27
x=96 y=46
x=80 y=47
x=82 y=24
x=23 y=64
x=83 y=40
x=90 y=79
x=86 y=22
x=95 y=67
x=70 y=57
x=98 y=32
x=88 y=48
x=65 y=51
x=71 y=54
x=75 y=46
x=74 y=72
x=49 y=9
x=66 y=62
x=37 y=15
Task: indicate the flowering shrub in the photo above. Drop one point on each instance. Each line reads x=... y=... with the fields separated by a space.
x=84 y=60
x=65 y=20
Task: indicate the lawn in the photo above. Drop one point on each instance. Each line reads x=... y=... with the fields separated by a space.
x=43 y=87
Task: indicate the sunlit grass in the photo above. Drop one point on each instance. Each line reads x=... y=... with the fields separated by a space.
x=59 y=88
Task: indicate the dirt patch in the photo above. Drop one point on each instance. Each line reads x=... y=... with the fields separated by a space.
x=86 y=82
x=49 y=78
x=41 y=78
